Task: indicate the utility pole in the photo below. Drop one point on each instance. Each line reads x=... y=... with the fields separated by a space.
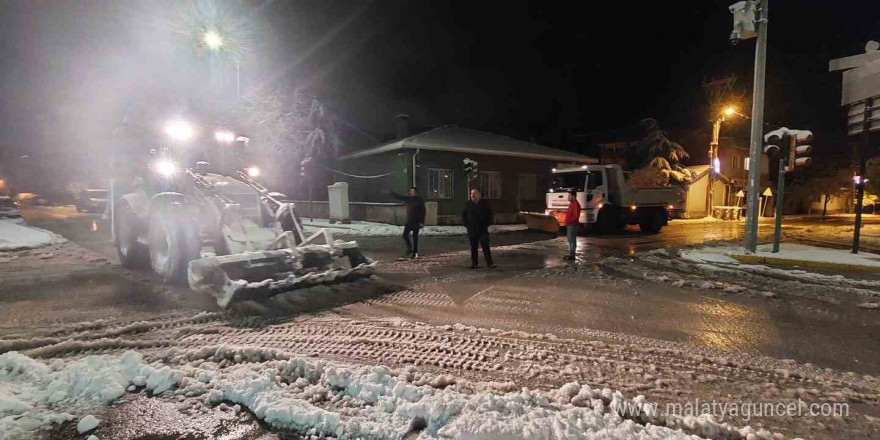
x=861 y=89
x=780 y=194
x=860 y=185
x=750 y=241
x=713 y=153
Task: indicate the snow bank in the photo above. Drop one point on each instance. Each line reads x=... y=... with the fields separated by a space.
x=368 y=229
x=15 y=236
x=370 y=402
x=787 y=251
x=34 y=394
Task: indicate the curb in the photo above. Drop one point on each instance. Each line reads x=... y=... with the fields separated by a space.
x=804 y=263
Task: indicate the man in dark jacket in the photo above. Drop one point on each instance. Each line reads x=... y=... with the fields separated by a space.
x=476 y=217
x=415 y=220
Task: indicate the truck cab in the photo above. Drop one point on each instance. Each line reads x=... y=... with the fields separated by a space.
x=607 y=202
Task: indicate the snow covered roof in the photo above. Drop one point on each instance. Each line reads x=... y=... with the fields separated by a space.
x=465 y=140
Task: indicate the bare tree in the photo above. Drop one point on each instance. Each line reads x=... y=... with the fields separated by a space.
x=288 y=126
x=723 y=93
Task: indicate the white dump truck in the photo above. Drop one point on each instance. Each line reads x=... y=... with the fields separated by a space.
x=607 y=202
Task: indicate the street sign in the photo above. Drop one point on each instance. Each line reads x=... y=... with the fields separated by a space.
x=861 y=83
x=855 y=117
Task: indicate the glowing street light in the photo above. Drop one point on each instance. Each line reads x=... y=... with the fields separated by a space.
x=729 y=111
x=213 y=40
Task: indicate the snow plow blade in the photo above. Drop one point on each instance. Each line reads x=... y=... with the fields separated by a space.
x=541 y=222
x=261 y=274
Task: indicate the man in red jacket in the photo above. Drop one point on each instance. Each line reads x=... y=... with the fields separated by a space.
x=572 y=221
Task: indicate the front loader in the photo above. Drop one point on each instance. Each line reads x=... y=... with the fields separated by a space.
x=222 y=232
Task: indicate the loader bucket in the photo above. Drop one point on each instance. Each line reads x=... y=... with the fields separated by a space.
x=259 y=275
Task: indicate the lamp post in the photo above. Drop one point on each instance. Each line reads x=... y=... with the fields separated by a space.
x=713 y=156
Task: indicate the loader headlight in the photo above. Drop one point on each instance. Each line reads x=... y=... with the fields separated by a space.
x=179 y=130
x=253 y=171
x=165 y=167
x=224 y=136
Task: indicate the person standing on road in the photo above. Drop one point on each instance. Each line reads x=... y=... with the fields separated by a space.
x=572 y=223
x=415 y=220
x=476 y=217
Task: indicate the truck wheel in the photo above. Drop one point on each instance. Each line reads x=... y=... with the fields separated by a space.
x=653 y=223
x=174 y=242
x=605 y=222
x=132 y=254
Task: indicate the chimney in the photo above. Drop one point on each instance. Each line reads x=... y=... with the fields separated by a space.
x=402 y=125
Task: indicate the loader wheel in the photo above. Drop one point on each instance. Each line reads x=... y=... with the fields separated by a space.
x=132 y=254
x=174 y=242
x=653 y=223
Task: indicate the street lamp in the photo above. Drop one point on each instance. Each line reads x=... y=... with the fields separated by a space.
x=213 y=40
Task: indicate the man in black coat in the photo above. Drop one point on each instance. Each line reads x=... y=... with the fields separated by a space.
x=476 y=217
x=415 y=220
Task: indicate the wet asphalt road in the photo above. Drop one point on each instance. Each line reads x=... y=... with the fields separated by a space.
x=831 y=335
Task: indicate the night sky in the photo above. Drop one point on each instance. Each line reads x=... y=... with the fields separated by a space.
x=545 y=69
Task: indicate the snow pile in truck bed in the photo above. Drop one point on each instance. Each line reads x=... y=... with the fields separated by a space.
x=371 y=402
x=15 y=236
x=369 y=229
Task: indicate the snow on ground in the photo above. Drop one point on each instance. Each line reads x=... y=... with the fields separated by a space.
x=710 y=267
x=34 y=394
x=15 y=236
x=385 y=230
x=691 y=221
x=794 y=251
x=318 y=398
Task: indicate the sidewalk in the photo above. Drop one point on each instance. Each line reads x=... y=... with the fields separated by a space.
x=791 y=254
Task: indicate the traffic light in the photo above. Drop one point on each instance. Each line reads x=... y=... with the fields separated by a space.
x=800 y=151
x=776 y=143
x=790 y=145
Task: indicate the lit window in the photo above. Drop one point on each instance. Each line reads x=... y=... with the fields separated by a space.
x=440 y=183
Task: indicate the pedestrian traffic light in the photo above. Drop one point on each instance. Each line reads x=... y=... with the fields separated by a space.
x=800 y=151
x=776 y=143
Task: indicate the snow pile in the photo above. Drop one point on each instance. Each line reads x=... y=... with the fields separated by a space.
x=691 y=221
x=787 y=251
x=371 y=402
x=34 y=394
x=369 y=229
x=87 y=424
x=15 y=237
x=709 y=255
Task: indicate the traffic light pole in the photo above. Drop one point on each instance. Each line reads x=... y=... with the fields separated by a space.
x=780 y=193
x=750 y=241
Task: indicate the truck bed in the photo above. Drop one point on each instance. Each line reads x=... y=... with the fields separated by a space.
x=659 y=196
